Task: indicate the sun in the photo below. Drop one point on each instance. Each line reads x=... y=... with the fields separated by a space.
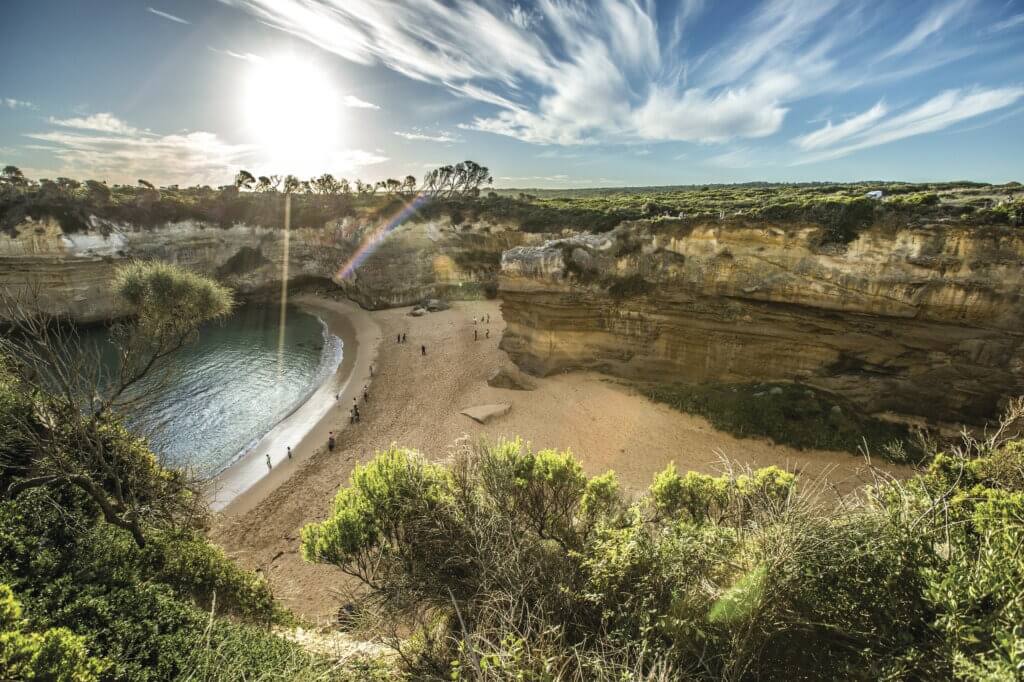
x=291 y=109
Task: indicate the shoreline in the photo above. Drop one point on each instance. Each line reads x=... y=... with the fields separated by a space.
x=246 y=482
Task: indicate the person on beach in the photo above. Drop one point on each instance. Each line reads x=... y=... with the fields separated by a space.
x=269 y=465
x=355 y=414
x=474 y=319
x=366 y=394
x=371 y=369
x=403 y=338
x=423 y=350
x=330 y=443
x=289 y=452
x=476 y=335
x=487 y=335
x=398 y=338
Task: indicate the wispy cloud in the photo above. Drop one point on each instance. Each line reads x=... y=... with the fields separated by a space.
x=166 y=15
x=12 y=103
x=417 y=134
x=938 y=113
x=831 y=134
x=244 y=56
x=932 y=23
x=736 y=158
x=103 y=122
x=1007 y=24
x=356 y=103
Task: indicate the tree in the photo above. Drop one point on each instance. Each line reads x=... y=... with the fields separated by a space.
x=268 y=183
x=291 y=184
x=409 y=185
x=146 y=184
x=244 y=180
x=12 y=175
x=97 y=192
x=72 y=436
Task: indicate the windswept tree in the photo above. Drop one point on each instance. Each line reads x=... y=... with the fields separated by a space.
x=268 y=183
x=12 y=175
x=291 y=184
x=462 y=179
x=68 y=434
x=244 y=180
x=409 y=185
x=145 y=184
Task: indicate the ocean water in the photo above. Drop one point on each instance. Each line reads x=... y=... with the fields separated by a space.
x=232 y=385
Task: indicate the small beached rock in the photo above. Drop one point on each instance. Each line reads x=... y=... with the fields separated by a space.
x=511 y=377
x=418 y=312
x=435 y=305
x=485 y=413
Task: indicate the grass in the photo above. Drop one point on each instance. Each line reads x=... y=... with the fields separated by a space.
x=789 y=414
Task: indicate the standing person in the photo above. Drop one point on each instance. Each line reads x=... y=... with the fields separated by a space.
x=423 y=350
x=398 y=338
x=289 y=452
x=488 y=334
x=330 y=442
x=269 y=465
x=474 y=319
x=476 y=335
x=403 y=338
x=371 y=369
x=366 y=394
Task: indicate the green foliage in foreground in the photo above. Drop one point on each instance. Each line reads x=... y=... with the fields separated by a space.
x=790 y=414
x=516 y=565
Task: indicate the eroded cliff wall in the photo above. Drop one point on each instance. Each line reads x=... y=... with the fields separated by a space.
x=913 y=320
x=70 y=274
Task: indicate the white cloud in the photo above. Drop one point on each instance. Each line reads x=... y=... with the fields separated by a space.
x=941 y=111
x=244 y=56
x=416 y=134
x=356 y=103
x=831 y=134
x=12 y=103
x=577 y=73
x=1007 y=24
x=103 y=123
x=931 y=24
x=166 y=15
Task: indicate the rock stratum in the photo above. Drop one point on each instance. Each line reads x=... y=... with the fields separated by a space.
x=70 y=273
x=912 y=320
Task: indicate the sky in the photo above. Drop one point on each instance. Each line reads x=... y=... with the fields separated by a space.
x=551 y=93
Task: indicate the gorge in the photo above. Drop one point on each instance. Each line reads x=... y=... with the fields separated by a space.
x=916 y=319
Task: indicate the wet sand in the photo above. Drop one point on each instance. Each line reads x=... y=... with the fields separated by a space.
x=415 y=402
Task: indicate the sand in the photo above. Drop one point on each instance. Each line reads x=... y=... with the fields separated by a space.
x=416 y=401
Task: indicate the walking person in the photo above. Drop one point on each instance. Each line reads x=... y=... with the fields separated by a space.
x=269 y=465
x=330 y=442
x=289 y=452
x=488 y=334
x=403 y=338
x=476 y=336
x=398 y=338
x=366 y=394
x=423 y=350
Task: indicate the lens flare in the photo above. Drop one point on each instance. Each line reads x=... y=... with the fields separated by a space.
x=374 y=239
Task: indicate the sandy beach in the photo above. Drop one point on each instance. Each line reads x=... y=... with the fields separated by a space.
x=416 y=400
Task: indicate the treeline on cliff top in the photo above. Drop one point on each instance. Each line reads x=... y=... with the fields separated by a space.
x=461 y=192
x=504 y=563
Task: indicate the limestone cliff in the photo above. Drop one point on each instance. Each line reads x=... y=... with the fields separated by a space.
x=71 y=273
x=922 y=320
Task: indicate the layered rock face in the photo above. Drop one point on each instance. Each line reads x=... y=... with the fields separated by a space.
x=911 y=320
x=70 y=274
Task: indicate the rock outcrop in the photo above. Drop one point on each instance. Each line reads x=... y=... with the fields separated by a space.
x=512 y=378
x=912 y=320
x=70 y=274
x=484 y=414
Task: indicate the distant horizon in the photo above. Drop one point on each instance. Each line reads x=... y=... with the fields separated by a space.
x=551 y=94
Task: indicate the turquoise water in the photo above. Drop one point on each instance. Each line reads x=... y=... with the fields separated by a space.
x=232 y=386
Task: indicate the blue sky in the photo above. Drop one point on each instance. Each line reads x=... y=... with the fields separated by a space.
x=550 y=93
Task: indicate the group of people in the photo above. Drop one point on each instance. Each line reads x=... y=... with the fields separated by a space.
x=354 y=411
x=486 y=319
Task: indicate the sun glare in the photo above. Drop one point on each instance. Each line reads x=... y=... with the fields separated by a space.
x=291 y=109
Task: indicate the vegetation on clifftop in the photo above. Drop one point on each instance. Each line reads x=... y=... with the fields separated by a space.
x=460 y=193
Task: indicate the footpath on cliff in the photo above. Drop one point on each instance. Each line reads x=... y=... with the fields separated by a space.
x=416 y=401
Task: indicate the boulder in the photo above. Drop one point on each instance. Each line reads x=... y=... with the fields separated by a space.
x=436 y=305
x=485 y=413
x=511 y=377
x=418 y=312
